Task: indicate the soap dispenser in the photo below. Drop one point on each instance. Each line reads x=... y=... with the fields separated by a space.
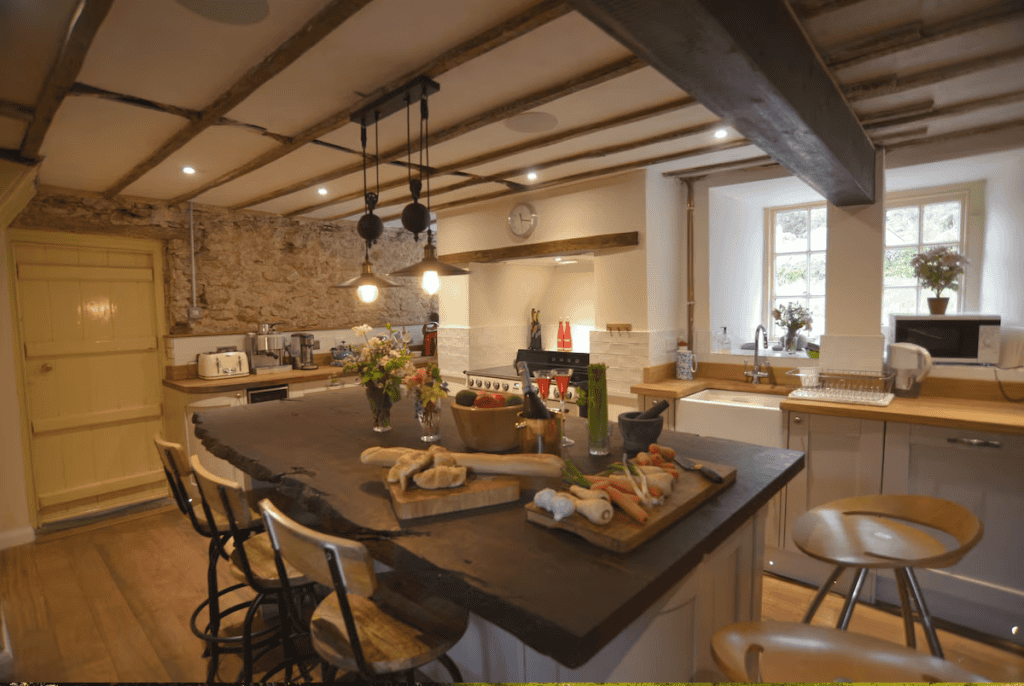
x=723 y=344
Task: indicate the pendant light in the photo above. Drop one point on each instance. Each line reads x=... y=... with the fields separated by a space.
x=369 y=228
x=416 y=217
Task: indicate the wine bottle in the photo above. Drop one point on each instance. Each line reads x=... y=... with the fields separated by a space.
x=533 y=406
x=654 y=410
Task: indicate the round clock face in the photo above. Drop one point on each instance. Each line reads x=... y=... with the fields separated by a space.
x=522 y=220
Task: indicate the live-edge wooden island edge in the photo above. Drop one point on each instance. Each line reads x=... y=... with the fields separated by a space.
x=558 y=594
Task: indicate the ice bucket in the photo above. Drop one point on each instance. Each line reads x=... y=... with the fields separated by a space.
x=540 y=435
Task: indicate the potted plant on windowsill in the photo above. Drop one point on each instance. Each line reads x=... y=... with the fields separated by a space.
x=938 y=269
x=792 y=317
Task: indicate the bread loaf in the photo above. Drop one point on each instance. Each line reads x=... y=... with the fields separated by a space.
x=524 y=464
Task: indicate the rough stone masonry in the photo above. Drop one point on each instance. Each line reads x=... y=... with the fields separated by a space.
x=251 y=267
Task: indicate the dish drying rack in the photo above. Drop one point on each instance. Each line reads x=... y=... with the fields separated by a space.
x=844 y=386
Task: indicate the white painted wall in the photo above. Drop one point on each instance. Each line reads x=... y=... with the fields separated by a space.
x=735 y=266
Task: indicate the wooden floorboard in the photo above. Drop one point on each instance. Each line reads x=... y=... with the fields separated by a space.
x=111 y=602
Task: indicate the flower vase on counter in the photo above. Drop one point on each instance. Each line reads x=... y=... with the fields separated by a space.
x=597 y=409
x=380 y=407
x=429 y=416
x=381 y=365
x=427 y=390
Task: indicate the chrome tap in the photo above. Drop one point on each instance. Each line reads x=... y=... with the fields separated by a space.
x=756 y=374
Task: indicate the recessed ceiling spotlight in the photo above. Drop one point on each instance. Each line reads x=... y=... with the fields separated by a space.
x=531 y=122
x=721 y=133
x=322 y=191
x=532 y=176
x=558 y=259
x=188 y=170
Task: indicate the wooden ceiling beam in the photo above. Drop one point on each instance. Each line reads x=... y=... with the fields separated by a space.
x=894 y=112
x=691 y=172
x=808 y=9
x=750 y=62
x=950 y=110
x=893 y=83
x=915 y=35
x=14 y=110
x=85 y=23
x=582 y=176
x=316 y=29
x=884 y=138
x=485 y=41
x=534 y=144
x=566 y=246
x=495 y=114
x=957 y=135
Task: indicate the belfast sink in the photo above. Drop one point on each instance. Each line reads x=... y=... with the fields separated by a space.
x=736 y=415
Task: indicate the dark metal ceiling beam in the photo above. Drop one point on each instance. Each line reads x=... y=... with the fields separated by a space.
x=750 y=62
x=85 y=23
x=485 y=41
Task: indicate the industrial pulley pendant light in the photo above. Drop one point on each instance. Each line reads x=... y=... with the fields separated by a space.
x=416 y=217
x=369 y=228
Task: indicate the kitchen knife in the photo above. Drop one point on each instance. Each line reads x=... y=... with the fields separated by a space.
x=687 y=463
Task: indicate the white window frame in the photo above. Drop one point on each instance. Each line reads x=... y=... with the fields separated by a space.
x=769 y=268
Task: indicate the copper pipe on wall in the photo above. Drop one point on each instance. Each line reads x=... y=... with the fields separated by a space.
x=690 y=302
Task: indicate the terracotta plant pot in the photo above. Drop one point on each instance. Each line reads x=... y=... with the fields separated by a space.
x=937 y=305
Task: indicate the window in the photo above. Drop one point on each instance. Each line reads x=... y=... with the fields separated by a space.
x=796 y=246
x=913 y=225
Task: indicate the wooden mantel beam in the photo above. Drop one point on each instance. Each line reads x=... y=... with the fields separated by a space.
x=564 y=247
x=749 y=62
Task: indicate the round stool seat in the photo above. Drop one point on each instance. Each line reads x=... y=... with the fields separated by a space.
x=788 y=652
x=874 y=531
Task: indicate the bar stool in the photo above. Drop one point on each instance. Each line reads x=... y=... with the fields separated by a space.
x=789 y=652
x=253 y=562
x=178 y=470
x=873 y=532
x=402 y=625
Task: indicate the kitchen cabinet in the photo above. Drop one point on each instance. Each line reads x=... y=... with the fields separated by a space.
x=843 y=458
x=301 y=388
x=178 y=410
x=984 y=472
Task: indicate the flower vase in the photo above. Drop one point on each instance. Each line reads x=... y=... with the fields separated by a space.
x=790 y=342
x=429 y=416
x=380 y=407
x=937 y=305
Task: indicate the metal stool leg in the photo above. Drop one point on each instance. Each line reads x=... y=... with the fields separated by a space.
x=926 y=620
x=851 y=599
x=450 y=665
x=907 y=609
x=822 y=592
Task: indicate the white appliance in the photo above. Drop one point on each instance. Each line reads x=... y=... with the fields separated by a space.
x=911 y=363
x=223 y=365
x=950 y=338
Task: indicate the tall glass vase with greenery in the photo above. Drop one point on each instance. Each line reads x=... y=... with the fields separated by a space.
x=792 y=317
x=381 y=365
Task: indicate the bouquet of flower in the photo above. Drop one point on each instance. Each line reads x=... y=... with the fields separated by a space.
x=383 y=362
x=938 y=268
x=426 y=385
x=793 y=316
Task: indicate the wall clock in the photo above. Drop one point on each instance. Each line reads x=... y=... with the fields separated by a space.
x=522 y=220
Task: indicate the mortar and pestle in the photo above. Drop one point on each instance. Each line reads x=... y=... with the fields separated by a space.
x=640 y=429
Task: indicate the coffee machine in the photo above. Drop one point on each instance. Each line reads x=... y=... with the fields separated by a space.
x=303 y=345
x=267 y=350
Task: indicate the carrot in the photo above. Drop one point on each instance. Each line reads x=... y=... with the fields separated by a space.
x=627 y=505
x=631 y=496
x=622 y=483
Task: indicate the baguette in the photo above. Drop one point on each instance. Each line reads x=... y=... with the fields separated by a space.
x=524 y=464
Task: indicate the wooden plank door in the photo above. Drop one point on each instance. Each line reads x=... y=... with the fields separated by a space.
x=90 y=313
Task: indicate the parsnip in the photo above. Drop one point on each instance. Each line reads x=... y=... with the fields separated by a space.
x=589 y=494
x=597 y=510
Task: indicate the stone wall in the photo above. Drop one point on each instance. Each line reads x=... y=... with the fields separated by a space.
x=251 y=267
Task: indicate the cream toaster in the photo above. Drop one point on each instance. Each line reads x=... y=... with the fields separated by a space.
x=223 y=365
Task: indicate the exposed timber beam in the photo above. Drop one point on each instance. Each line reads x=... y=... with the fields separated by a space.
x=535 y=144
x=85 y=23
x=495 y=114
x=563 y=247
x=950 y=110
x=963 y=133
x=915 y=35
x=750 y=62
x=892 y=84
x=808 y=9
x=884 y=138
x=762 y=161
x=875 y=116
x=317 y=28
x=582 y=176
x=494 y=37
x=14 y=110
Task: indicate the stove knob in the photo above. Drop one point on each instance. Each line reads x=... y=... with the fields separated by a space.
x=479 y=383
x=487 y=384
x=504 y=386
x=570 y=394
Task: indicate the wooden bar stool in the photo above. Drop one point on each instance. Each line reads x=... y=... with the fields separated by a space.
x=253 y=563
x=874 y=532
x=376 y=624
x=178 y=470
x=790 y=652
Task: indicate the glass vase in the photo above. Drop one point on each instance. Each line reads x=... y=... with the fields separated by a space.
x=429 y=417
x=380 y=407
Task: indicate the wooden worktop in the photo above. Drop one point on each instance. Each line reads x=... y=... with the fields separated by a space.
x=957 y=413
x=559 y=594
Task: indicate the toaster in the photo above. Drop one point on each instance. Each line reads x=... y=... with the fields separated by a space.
x=223 y=365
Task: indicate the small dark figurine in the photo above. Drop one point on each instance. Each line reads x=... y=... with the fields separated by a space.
x=535 y=343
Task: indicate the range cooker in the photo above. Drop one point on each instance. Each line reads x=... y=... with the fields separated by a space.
x=507 y=380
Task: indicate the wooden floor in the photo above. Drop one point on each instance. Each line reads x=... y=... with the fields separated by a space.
x=111 y=602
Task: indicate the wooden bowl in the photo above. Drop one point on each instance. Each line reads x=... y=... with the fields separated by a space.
x=489 y=430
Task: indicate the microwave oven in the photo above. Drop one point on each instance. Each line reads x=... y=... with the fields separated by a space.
x=950 y=338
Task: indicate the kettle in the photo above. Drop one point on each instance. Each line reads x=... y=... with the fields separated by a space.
x=911 y=363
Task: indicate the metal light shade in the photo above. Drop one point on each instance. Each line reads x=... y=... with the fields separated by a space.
x=366 y=278
x=430 y=263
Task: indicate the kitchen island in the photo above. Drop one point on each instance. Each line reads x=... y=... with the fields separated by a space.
x=547 y=605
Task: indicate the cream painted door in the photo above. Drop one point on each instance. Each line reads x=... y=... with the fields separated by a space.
x=90 y=313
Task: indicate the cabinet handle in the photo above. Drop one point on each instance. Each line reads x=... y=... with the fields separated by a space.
x=799 y=420
x=47 y=367
x=976 y=442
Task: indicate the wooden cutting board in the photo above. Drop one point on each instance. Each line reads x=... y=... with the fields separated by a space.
x=622 y=534
x=478 y=491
